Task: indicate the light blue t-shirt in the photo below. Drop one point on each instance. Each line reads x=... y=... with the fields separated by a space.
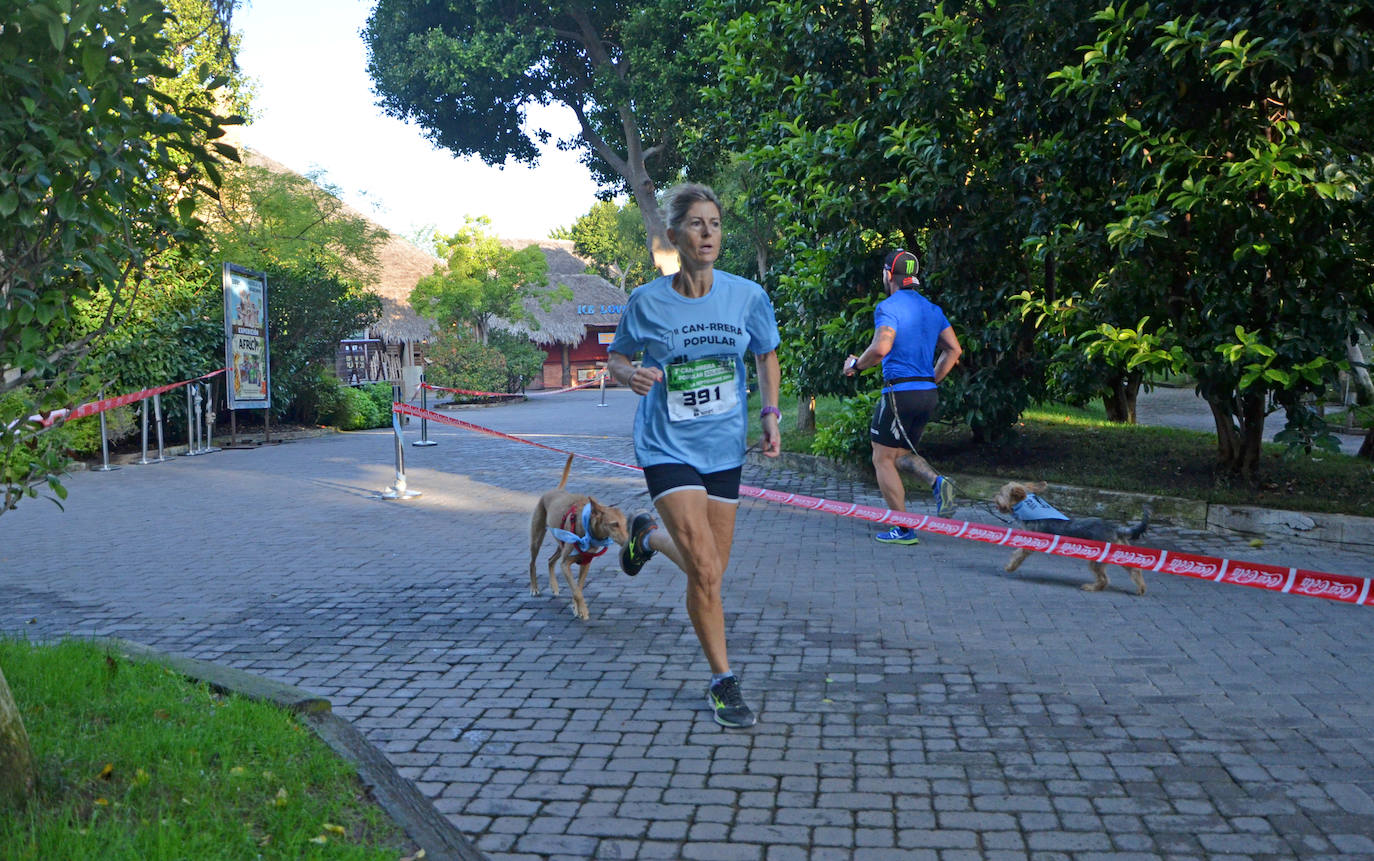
x=918 y=323
x=700 y=346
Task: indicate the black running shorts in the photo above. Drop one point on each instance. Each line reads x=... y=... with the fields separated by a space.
x=901 y=417
x=665 y=478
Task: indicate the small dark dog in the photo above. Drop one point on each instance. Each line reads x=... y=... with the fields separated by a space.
x=576 y=516
x=1020 y=501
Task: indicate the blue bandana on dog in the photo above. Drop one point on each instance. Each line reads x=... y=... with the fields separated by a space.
x=586 y=542
x=1035 y=508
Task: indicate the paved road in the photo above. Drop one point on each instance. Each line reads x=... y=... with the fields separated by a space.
x=1166 y=406
x=915 y=702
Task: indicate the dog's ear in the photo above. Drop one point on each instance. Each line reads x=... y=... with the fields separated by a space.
x=1017 y=493
x=1037 y=487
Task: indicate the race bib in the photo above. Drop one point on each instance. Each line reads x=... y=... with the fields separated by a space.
x=705 y=387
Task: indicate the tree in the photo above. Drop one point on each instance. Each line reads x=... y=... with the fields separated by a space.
x=468 y=72
x=878 y=125
x=100 y=171
x=612 y=236
x=16 y=757
x=268 y=216
x=483 y=280
x=1241 y=207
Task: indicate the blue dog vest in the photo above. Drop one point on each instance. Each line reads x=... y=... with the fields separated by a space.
x=1035 y=508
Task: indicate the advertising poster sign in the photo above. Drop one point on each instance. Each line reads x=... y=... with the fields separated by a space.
x=245 y=338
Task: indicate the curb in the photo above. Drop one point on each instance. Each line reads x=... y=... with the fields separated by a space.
x=406 y=806
x=92 y=463
x=1344 y=531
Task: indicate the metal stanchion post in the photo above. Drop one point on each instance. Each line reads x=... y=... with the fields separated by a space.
x=190 y=425
x=603 y=388
x=143 y=410
x=157 y=417
x=193 y=408
x=104 y=443
x=424 y=422
x=209 y=418
x=399 y=489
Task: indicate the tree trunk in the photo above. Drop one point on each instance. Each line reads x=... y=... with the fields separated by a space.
x=1367 y=447
x=1358 y=372
x=1120 y=398
x=806 y=412
x=1240 y=435
x=655 y=229
x=16 y=757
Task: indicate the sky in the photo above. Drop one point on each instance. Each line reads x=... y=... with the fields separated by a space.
x=314 y=109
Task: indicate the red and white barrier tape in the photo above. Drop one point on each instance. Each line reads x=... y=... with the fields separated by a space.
x=93 y=407
x=1274 y=578
x=583 y=385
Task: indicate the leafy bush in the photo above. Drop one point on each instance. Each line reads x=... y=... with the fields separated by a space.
x=461 y=361
x=363 y=407
x=381 y=395
x=845 y=437
x=357 y=412
x=524 y=361
x=319 y=397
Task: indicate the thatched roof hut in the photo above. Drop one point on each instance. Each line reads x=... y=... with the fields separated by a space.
x=595 y=302
x=400 y=265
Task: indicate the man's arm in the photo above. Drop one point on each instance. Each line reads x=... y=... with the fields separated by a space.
x=950 y=351
x=879 y=347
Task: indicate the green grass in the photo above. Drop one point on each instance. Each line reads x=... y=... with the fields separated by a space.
x=137 y=762
x=1065 y=445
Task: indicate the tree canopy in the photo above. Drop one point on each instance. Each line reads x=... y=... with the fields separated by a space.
x=482 y=280
x=100 y=172
x=468 y=73
x=1102 y=190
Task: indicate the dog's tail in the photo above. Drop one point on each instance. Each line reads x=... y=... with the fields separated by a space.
x=1134 y=532
x=567 y=467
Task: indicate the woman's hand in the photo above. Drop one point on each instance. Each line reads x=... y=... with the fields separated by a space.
x=643 y=379
x=771 y=443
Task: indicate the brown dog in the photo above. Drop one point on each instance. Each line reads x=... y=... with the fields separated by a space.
x=1020 y=501
x=575 y=516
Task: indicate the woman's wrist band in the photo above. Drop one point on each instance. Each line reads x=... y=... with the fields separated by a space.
x=773 y=411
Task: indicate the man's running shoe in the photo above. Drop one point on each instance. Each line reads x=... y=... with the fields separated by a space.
x=727 y=704
x=637 y=551
x=898 y=535
x=943 y=491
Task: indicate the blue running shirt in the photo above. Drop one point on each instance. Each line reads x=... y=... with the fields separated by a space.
x=699 y=344
x=918 y=323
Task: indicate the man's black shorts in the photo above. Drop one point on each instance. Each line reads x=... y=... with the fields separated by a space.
x=901 y=417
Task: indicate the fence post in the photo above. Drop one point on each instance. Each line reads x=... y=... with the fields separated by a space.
x=104 y=442
x=424 y=422
x=190 y=424
x=143 y=415
x=157 y=417
x=209 y=418
x=399 y=489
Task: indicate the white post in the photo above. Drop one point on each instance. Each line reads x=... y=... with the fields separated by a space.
x=399 y=489
x=104 y=442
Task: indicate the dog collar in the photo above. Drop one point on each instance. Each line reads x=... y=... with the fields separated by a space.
x=1035 y=508
x=586 y=542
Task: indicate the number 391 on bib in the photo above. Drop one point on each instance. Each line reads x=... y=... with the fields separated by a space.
x=704 y=387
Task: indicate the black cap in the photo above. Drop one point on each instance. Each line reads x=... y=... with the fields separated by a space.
x=902 y=267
